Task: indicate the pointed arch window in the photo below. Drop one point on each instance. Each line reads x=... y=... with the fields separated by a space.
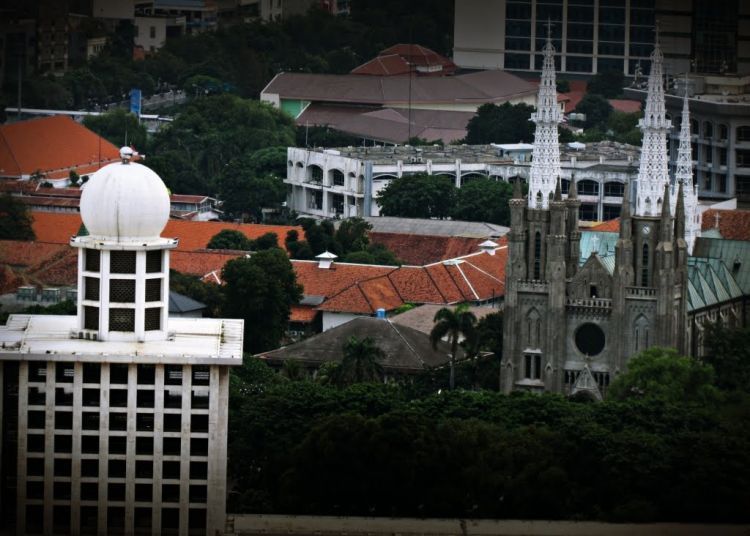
x=538 y=255
x=644 y=266
x=641 y=332
x=533 y=329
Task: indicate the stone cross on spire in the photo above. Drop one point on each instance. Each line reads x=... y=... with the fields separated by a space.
x=653 y=173
x=684 y=175
x=545 y=166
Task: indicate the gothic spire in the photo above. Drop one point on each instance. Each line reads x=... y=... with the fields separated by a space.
x=517 y=189
x=679 y=213
x=625 y=230
x=653 y=173
x=558 y=190
x=545 y=166
x=573 y=189
x=666 y=216
x=684 y=176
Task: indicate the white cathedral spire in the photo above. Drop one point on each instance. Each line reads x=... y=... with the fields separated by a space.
x=684 y=175
x=653 y=173
x=545 y=166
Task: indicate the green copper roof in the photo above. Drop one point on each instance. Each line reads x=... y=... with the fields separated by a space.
x=735 y=255
x=601 y=242
x=710 y=282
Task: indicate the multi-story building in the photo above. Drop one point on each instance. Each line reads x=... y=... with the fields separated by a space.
x=115 y=420
x=345 y=182
x=593 y=36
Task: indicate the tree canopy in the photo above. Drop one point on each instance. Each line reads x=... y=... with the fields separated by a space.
x=15 y=219
x=608 y=84
x=261 y=290
x=417 y=196
x=663 y=374
x=209 y=134
x=505 y=123
x=119 y=127
x=229 y=239
x=454 y=324
x=597 y=110
x=483 y=200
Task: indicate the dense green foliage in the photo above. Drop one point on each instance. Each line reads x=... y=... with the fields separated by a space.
x=261 y=290
x=15 y=219
x=608 y=84
x=418 y=196
x=350 y=242
x=483 y=200
x=453 y=325
x=214 y=138
x=360 y=363
x=242 y=58
x=386 y=450
x=229 y=239
x=209 y=294
x=435 y=196
x=119 y=127
x=597 y=110
x=506 y=123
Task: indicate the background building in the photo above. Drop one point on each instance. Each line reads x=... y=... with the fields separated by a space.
x=345 y=182
x=115 y=420
x=592 y=36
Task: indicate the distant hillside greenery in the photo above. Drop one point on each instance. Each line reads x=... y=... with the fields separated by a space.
x=671 y=443
x=243 y=58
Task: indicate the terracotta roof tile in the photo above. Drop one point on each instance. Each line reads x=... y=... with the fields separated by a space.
x=302 y=313
x=320 y=282
x=733 y=224
x=415 y=285
x=424 y=249
x=53 y=145
x=445 y=283
x=350 y=300
x=610 y=226
x=193 y=235
x=200 y=263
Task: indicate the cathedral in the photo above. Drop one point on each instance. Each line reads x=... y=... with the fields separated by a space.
x=573 y=321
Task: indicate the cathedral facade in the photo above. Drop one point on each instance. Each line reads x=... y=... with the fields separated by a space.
x=572 y=323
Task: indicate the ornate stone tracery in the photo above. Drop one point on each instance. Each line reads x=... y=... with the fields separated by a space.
x=545 y=166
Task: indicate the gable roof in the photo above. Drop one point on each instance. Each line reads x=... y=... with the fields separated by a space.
x=405 y=58
x=424 y=249
x=422 y=318
x=476 y=277
x=734 y=254
x=473 y=88
x=179 y=303
x=52 y=145
x=710 y=282
x=406 y=349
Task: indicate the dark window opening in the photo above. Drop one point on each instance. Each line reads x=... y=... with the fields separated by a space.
x=170 y=470
x=63 y=396
x=122 y=290
x=118 y=398
x=91 y=372
x=172 y=446
x=537 y=255
x=644 y=266
x=172 y=422
x=198 y=470
x=63 y=444
x=144 y=445
x=589 y=339
x=122 y=319
x=153 y=261
x=152 y=320
x=91 y=285
x=145 y=398
x=90 y=317
x=64 y=372
x=122 y=262
x=118 y=422
x=116 y=469
x=144 y=469
x=117 y=445
x=91 y=397
x=90 y=468
x=89 y=491
x=92 y=260
x=153 y=290
x=199 y=446
x=144 y=422
x=90 y=445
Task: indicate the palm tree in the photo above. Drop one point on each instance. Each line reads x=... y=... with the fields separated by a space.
x=360 y=363
x=453 y=323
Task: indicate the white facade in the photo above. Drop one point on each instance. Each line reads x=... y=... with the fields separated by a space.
x=315 y=176
x=115 y=420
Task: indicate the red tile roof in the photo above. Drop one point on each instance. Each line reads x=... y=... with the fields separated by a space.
x=53 y=145
x=403 y=58
x=611 y=226
x=733 y=224
x=424 y=249
x=193 y=235
x=474 y=277
x=626 y=105
x=36 y=263
x=302 y=313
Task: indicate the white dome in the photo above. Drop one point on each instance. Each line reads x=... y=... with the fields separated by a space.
x=125 y=202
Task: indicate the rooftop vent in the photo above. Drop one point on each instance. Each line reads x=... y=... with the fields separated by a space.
x=325 y=260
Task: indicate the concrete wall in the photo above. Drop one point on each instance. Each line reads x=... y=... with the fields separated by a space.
x=331 y=320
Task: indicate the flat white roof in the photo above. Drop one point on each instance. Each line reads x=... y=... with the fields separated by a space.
x=191 y=341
